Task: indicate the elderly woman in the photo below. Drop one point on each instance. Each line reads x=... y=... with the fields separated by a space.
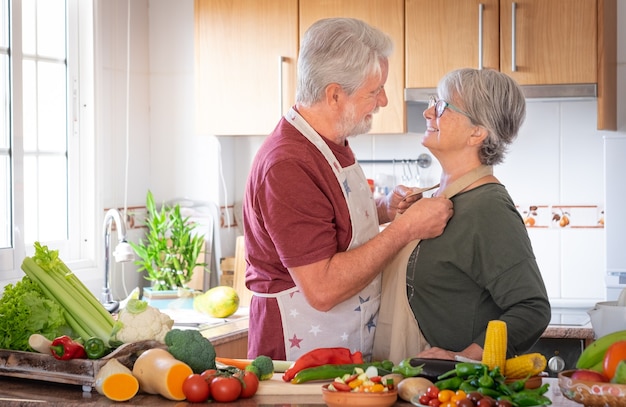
x=482 y=267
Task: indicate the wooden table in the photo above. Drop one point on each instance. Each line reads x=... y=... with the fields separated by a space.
x=22 y=392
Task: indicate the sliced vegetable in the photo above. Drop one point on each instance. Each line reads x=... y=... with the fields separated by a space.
x=116 y=381
x=40 y=344
x=158 y=372
x=83 y=312
x=326 y=372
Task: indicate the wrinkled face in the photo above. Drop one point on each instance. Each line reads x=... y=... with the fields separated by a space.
x=448 y=133
x=356 y=117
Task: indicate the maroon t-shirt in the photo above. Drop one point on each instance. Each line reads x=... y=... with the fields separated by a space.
x=294 y=214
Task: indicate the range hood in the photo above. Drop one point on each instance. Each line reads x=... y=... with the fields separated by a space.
x=539 y=92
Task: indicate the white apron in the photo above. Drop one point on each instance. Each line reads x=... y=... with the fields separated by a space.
x=352 y=323
x=398 y=335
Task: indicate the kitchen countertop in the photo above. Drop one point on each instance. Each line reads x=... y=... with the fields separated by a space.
x=20 y=392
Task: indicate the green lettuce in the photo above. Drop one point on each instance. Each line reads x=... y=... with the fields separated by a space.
x=25 y=310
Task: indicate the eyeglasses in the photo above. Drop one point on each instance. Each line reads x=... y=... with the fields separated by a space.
x=441 y=105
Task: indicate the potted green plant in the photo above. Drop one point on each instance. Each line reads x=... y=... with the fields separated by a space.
x=170 y=250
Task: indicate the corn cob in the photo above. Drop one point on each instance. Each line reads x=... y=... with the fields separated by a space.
x=494 y=351
x=594 y=353
x=530 y=364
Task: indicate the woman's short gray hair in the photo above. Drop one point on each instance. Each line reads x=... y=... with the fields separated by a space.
x=492 y=100
x=345 y=51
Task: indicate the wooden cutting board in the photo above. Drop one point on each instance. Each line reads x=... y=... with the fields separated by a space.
x=276 y=386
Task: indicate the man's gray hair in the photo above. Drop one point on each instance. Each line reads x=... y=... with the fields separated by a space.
x=345 y=51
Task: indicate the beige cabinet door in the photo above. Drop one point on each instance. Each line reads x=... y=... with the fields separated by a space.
x=245 y=64
x=555 y=41
x=451 y=34
x=388 y=16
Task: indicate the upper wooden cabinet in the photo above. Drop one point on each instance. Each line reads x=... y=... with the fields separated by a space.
x=537 y=42
x=245 y=64
x=388 y=16
x=246 y=54
x=445 y=35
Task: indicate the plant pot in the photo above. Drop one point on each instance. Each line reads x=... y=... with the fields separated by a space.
x=169 y=299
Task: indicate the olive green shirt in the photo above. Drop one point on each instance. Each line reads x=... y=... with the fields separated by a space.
x=481 y=268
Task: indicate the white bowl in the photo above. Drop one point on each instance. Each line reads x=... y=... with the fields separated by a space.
x=607 y=317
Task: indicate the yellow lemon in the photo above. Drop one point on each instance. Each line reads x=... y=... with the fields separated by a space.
x=219 y=302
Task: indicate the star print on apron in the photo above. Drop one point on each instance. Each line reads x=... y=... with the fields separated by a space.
x=352 y=323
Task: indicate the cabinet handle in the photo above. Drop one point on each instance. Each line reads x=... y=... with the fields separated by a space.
x=513 y=64
x=480 y=35
x=281 y=59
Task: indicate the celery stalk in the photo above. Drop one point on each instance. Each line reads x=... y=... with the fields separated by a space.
x=76 y=327
x=61 y=285
x=69 y=300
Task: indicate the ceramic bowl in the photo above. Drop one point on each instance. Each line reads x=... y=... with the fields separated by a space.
x=592 y=394
x=357 y=399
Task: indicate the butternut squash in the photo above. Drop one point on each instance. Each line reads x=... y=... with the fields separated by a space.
x=158 y=372
x=116 y=381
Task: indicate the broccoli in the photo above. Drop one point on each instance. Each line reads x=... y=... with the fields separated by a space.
x=262 y=366
x=190 y=347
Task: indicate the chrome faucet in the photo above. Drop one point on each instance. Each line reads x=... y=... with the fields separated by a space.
x=123 y=253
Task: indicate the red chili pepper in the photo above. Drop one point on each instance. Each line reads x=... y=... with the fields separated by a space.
x=323 y=356
x=65 y=348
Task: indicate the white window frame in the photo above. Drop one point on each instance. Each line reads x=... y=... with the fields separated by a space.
x=78 y=251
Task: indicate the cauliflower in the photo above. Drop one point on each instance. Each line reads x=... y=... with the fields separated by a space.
x=138 y=321
x=190 y=347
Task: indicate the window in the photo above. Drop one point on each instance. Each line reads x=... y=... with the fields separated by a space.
x=44 y=49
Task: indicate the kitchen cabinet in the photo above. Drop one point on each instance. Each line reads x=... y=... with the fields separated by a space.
x=537 y=42
x=245 y=64
x=246 y=55
x=388 y=16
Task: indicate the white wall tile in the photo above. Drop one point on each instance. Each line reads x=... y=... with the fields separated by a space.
x=583 y=272
x=582 y=169
x=531 y=167
x=547 y=247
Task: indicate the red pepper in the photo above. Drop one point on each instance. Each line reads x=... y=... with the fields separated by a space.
x=65 y=348
x=323 y=356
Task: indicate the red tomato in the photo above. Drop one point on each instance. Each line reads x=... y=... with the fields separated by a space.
x=209 y=374
x=250 y=384
x=341 y=386
x=614 y=354
x=196 y=389
x=225 y=388
x=432 y=392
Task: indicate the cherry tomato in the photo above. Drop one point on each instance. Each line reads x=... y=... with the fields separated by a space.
x=434 y=403
x=196 y=389
x=614 y=354
x=424 y=399
x=250 y=384
x=225 y=388
x=445 y=395
x=432 y=392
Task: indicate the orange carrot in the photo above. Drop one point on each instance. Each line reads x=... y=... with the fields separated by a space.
x=238 y=363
